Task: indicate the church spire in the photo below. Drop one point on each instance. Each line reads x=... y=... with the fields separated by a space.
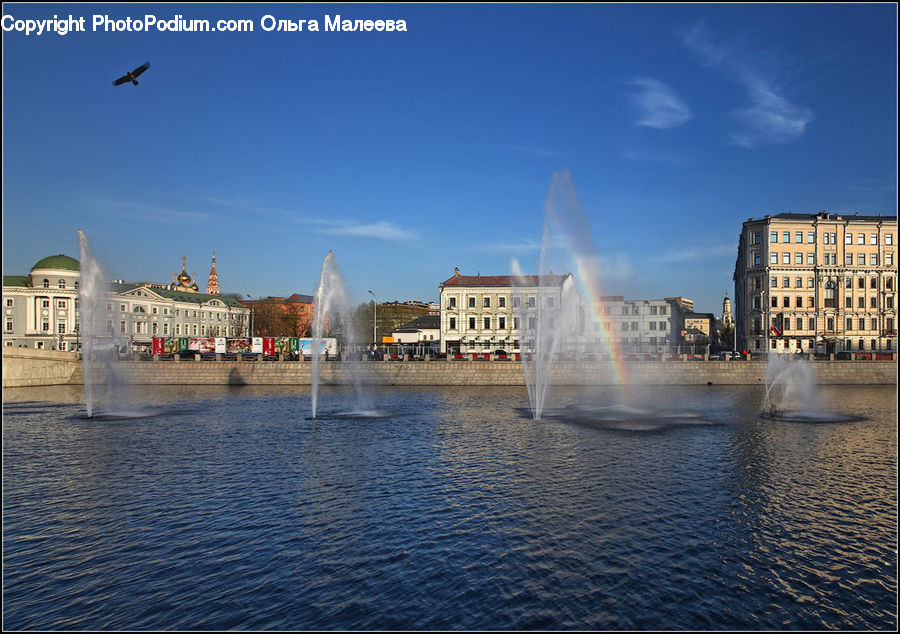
x=212 y=286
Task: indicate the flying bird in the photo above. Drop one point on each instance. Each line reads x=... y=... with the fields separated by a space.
x=132 y=76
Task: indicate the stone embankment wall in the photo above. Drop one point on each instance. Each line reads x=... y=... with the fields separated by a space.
x=26 y=367
x=487 y=373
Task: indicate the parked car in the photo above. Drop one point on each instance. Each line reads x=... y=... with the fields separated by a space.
x=727 y=354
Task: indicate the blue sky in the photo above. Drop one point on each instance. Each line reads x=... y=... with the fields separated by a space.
x=411 y=153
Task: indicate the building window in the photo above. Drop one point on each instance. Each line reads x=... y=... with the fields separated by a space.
x=889 y=238
x=849 y=324
x=9 y=324
x=786 y=237
x=122 y=327
x=471 y=323
x=487 y=302
x=46 y=283
x=798 y=237
x=452 y=303
x=786 y=257
x=889 y=259
x=471 y=302
x=757 y=260
x=873 y=259
x=501 y=302
x=811 y=237
x=502 y=323
x=774 y=301
x=848 y=238
x=786 y=282
x=773 y=257
x=165 y=329
x=757 y=237
x=787 y=301
x=848 y=259
x=873 y=302
x=774 y=282
x=848 y=302
x=773 y=236
x=487 y=323
x=811 y=259
x=61 y=283
x=812 y=323
x=873 y=238
x=829 y=294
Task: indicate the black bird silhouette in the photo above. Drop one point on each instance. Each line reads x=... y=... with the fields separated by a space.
x=132 y=76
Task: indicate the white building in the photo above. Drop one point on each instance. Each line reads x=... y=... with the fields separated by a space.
x=486 y=313
x=41 y=309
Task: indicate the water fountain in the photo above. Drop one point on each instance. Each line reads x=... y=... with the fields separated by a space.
x=792 y=392
x=563 y=325
x=96 y=362
x=551 y=312
x=333 y=315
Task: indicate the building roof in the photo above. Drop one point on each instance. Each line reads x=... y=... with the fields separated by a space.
x=826 y=216
x=17 y=280
x=425 y=322
x=505 y=280
x=60 y=262
x=178 y=296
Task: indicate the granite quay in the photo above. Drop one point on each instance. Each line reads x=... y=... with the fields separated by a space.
x=23 y=368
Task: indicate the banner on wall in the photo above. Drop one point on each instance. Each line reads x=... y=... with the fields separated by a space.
x=159 y=345
x=268 y=346
x=256 y=346
x=237 y=346
x=220 y=345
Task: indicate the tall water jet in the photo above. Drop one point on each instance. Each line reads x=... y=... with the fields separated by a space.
x=333 y=316
x=555 y=309
x=93 y=323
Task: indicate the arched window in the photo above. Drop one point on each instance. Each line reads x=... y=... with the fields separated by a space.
x=46 y=284
x=829 y=294
x=76 y=285
x=61 y=283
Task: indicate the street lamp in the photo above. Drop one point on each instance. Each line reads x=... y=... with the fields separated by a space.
x=374 y=322
x=251 y=313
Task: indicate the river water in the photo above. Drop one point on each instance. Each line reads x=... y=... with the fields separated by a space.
x=227 y=508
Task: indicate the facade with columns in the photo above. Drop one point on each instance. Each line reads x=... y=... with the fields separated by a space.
x=817 y=283
x=41 y=309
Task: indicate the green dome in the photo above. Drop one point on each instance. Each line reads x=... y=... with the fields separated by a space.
x=59 y=262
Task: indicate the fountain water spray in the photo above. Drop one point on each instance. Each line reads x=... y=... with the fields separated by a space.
x=553 y=317
x=93 y=324
x=790 y=388
x=334 y=315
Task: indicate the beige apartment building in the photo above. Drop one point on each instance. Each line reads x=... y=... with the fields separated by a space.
x=817 y=283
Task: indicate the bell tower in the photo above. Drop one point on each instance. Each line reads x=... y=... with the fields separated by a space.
x=212 y=286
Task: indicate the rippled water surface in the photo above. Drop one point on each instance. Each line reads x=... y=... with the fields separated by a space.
x=450 y=509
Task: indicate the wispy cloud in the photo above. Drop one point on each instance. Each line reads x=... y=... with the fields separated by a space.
x=699 y=41
x=770 y=118
x=658 y=105
x=653 y=156
x=536 y=151
x=130 y=209
x=699 y=253
x=527 y=245
x=381 y=230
